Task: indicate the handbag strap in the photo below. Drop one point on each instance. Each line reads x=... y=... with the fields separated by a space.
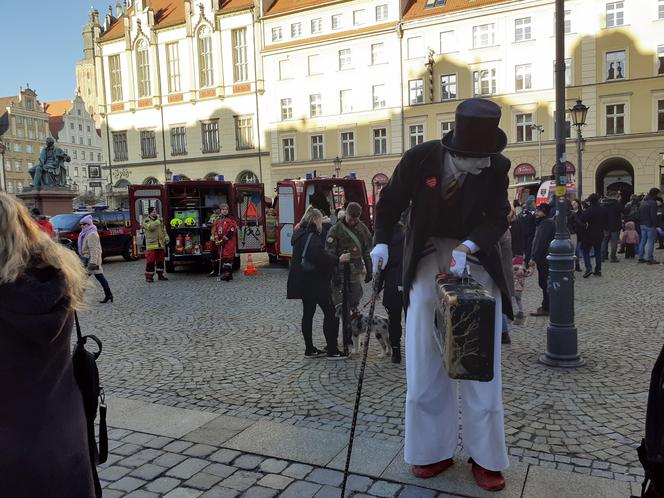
x=306 y=246
x=78 y=328
x=352 y=236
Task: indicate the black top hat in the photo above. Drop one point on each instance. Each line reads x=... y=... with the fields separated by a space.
x=476 y=132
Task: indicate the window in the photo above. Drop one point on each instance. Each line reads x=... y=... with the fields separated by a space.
x=317 y=147
x=75 y=154
x=80 y=140
x=416 y=91
x=84 y=171
x=568 y=72
x=288 y=149
x=660 y=59
x=337 y=21
x=415 y=47
x=99 y=156
x=615 y=119
x=148 y=144
x=115 y=78
x=92 y=157
x=8 y=166
x=178 y=140
x=377 y=53
x=484 y=81
x=660 y=115
x=522 y=29
x=285 y=70
x=416 y=133
x=378 y=93
x=87 y=128
x=434 y=3
x=76 y=171
x=120 y=146
x=484 y=35
x=348 y=144
x=80 y=127
x=447 y=42
x=345 y=101
x=615 y=14
x=381 y=13
x=315 y=107
x=240 y=64
x=18 y=166
x=28 y=148
x=210 y=135
x=660 y=9
x=89 y=141
x=524 y=129
x=313 y=63
x=379 y=141
x=446 y=127
x=448 y=87
x=173 y=67
x=296 y=29
x=359 y=17
x=71 y=126
x=615 y=65
x=522 y=77
x=17 y=147
x=73 y=139
x=568 y=22
x=344 y=59
x=205 y=63
x=244 y=132
x=277 y=34
x=316 y=26
x=286 y=109
x=143 y=69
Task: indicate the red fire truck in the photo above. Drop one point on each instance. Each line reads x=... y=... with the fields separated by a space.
x=293 y=199
x=191 y=202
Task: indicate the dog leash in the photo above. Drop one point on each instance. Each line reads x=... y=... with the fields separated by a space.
x=360 y=380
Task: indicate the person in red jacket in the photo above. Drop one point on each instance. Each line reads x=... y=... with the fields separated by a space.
x=43 y=222
x=224 y=235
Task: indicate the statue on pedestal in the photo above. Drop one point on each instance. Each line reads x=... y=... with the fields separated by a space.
x=50 y=171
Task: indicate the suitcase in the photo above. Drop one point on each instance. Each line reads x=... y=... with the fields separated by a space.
x=465 y=317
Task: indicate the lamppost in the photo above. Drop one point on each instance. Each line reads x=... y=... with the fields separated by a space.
x=3 y=147
x=168 y=175
x=561 y=334
x=578 y=113
x=540 y=130
x=337 y=167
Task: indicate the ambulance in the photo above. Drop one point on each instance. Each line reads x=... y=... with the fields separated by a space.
x=186 y=207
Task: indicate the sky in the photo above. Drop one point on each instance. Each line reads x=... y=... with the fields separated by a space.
x=42 y=43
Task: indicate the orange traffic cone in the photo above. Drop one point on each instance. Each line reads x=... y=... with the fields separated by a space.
x=250 y=269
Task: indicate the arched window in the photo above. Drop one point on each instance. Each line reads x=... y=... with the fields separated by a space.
x=205 y=65
x=181 y=177
x=143 y=68
x=211 y=176
x=150 y=180
x=247 y=177
x=121 y=183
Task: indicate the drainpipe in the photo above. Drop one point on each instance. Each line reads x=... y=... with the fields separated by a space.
x=258 y=120
x=403 y=120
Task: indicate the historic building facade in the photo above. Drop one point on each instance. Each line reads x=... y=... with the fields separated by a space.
x=23 y=131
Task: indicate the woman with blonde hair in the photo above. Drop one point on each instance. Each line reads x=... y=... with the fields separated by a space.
x=43 y=434
x=310 y=279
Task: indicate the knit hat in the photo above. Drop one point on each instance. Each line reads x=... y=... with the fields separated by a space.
x=86 y=220
x=530 y=200
x=517 y=260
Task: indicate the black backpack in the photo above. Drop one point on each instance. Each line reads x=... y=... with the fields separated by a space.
x=87 y=378
x=651 y=451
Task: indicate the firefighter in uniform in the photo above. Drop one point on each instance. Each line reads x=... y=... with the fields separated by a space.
x=224 y=235
x=352 y=236
x=156 y=241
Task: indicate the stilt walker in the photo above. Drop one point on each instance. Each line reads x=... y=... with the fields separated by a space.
x=456 y=188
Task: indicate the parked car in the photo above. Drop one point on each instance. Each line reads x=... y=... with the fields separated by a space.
x=113 y=226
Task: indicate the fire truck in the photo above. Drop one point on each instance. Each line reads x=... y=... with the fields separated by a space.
x=293 y=199
x=190 y=203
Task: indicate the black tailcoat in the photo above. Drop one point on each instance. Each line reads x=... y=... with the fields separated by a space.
x=483 y=209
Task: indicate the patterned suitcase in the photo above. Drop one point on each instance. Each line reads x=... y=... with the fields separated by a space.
x=465 y=319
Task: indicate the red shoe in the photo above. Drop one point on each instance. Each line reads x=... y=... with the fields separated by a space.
x=491 y=480
x=149 y=277
x=432 y=469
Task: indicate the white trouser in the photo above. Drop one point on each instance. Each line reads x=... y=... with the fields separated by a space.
x=431 y=399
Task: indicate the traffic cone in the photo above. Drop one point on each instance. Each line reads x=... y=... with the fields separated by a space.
x=250 y=269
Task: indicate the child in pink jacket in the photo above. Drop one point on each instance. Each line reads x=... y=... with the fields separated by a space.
x=521 y=272
x=630 y=239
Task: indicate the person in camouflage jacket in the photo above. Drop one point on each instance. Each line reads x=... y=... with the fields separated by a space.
x=352 y=236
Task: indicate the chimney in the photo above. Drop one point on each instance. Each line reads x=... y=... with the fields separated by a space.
x=118 y=9
x=187 y=16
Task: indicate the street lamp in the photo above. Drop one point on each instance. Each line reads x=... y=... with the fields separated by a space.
x=578 y=113
x=168 y=174
x=337 y=166
x=540 y=130
x=3 y=147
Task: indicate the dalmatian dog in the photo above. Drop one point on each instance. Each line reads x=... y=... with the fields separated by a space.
x=358 y=325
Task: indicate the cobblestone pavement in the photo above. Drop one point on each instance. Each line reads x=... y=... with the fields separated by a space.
x=236 y=349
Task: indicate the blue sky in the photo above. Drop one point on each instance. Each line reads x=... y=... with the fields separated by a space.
x=42 y=43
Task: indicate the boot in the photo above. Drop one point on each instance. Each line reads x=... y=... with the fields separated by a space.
x=396 y=354
x=108 y=296
x=505 y=338
x=227 y=276
x=161 y=276
x=149 y=277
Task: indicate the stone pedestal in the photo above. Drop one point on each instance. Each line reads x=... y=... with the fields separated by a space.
x=49 y=201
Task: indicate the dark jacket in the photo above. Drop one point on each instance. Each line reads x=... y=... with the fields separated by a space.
x=614 y=211
x=43 y=438
x=393 y=272
x=544 y=234
x=648 y=212
x=482 y=210
x=594 y=220
x=518 y=240
x=527 y=221
x=314 y=284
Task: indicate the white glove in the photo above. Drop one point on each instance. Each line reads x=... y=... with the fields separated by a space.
x=458 y=263
x=379 y=253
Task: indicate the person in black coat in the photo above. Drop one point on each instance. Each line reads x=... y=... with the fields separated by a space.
x=393 y=288
x=526 y=219
x=314 y=287
x=544 y=234
x=594 y=220
x=648 y=220
x=614 y=211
